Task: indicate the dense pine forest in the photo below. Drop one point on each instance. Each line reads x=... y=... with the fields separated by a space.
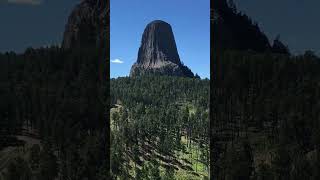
x=53 y=121
x=265 y=118
x=159 y=127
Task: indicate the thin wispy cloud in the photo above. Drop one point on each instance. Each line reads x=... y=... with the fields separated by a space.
x=117 y=61
x=25 y=2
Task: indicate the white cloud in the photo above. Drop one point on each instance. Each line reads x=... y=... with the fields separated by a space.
x=117 y=61
x=26 y=2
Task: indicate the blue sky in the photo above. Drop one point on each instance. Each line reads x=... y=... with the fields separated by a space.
x=296 y=21
x=190 y=21
x=36 y=23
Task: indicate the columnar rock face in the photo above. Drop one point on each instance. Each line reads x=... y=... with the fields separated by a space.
x=87 y=25
x=158 y=53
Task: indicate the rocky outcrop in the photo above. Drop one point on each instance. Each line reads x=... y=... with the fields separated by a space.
x=279 y=47
x=87 y=25
x=158 y=53
x=234 y=30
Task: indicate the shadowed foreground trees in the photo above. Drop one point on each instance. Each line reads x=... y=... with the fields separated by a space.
x=270 y=101
x=58 y=97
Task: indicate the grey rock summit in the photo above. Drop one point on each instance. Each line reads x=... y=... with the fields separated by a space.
x=87 y=25
x=158 y=53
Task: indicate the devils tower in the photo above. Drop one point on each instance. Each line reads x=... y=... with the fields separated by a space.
x=158 y=53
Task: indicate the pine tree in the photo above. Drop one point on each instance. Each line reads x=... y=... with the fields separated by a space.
x=18 y=170
x=48 y=163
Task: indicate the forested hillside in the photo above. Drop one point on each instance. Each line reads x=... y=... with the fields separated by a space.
x=159 y=127
x=54 y=103
x=53 y=122
x=265 y=117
